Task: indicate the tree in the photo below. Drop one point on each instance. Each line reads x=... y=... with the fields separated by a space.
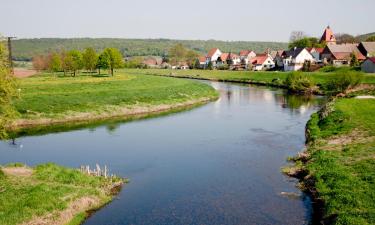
x=345 y=38
x=40 y=62
x=54 y=62
x=209 y=66
x=103 y=61
x=296 y=35
x=306 y=42
x=197 y=64
x=371 y=39
x=90 y=59
x=177 y=54
x=115 y=58
x=73 y=61
x=353 y=60
x=191 y=57
x=8 y=91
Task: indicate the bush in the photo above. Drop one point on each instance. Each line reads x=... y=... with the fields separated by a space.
x=343 y=81
x=298 y=82
x=2 y=174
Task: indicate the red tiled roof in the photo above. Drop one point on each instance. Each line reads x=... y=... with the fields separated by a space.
x=320 y=50
x=202 y=59
x=212 y=52
x=328 y=36
x=224 y=56
x=347 y=55
x=259 y=59
x=232 y=56
x=245 y=52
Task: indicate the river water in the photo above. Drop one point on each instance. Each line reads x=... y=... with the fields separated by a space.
x=215 y=164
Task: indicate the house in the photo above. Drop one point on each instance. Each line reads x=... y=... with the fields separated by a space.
x=341 y=54
x=262 y=62
x=246 y=55
x=233 y=59
x=212 y=56
x=202 y=62
x=316 y=53
x=328 y=36
x=222 y=60
x=368 y=66
x=294 y=59
x=152 y=61
x=367 y=49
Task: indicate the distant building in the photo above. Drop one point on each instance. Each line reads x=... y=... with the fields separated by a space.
x=278 y=59
x=262 y=62
x=294 y=59
x=341 y=54
x=246 y=55
x=316 y=53
x=212 y=56
x=328 y=36
x=202 y=62
x=153 y=61
x=367 y=49
x=368 y=66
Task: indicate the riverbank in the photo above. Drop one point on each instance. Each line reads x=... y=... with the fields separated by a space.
x=266 y=78
x=338 y=166
x=51 y=194
x=49 y=99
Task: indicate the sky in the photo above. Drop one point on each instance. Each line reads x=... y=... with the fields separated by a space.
x=228 y=20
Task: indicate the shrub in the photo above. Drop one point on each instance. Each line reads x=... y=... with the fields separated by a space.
x=2 y=174
x=298 y=82
x=343 y=81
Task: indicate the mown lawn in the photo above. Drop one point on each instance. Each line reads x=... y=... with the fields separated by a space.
x=244 y=76
x=342 y=161
x=49 y=95
x=48 y=189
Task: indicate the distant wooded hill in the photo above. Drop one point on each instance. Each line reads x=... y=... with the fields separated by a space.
x=363 y=37
x=25 y=49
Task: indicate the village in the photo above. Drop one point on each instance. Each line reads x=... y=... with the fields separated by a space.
x=294 y=59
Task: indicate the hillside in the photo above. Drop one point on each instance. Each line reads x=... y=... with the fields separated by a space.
x=24 y=49
x=363 y=37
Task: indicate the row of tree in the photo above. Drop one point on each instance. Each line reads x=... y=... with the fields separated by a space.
x=74 y=61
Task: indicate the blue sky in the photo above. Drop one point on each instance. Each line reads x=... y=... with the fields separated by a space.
x=247 y=20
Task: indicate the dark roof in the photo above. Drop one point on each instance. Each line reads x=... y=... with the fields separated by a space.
x=372 y=59
x=368 y=46
x=294 y=52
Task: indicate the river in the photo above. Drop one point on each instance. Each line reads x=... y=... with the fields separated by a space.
x=215 y=164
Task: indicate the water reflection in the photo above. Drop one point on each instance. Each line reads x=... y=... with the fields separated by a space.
x=216 y=164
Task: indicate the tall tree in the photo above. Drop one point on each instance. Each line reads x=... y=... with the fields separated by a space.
x=8 y=91
x=296 y=35
x=354 y=60
x=115 y=59
x=73 y=61
x=103 y=61
x=177 y=54
x=191 y=56
x=345 y=38
x=90 y=59
x=40 y=62
x=54 y=62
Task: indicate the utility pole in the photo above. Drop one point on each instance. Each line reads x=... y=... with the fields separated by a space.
x=10 y=54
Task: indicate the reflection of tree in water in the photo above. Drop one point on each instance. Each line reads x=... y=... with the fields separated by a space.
x=111 y=128
x=297 y=102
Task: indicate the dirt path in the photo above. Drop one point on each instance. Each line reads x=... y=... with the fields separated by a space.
x=23 y=73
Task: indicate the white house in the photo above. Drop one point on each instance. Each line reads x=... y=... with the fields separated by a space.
x=368 y=66
x=246 y=55
x=262 y=62
x=294 y=59
x=213 y=55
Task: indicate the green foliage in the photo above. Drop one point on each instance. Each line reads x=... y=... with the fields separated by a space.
x=96 y=94
x=134 y=62
x=114 y=57
x=2 y=175
x=90 y=59
x=103 y=61
x=48 y=191
x=55 y=63
x=8 y=91
x=299 y=82
x=345 y=177
x=73 y=61
x=371 y=38
x=342 y=81
x=25 y=49
x=354 y=60
x=209 y=66
x=306 y=42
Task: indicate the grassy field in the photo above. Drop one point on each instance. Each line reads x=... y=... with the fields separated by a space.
x=50 y=194
x=52 y=96
x=271 y=78
x=341 y=161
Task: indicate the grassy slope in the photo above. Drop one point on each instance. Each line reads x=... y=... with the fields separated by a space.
x=48 y=190
x=241 y=76
x=52 y=96
x=342 y=161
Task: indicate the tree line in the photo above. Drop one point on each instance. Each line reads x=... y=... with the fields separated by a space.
x=74 y=60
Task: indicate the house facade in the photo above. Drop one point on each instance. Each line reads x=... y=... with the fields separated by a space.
x=213 y=56
x=262 y=62
x=368 y=66
x=294 y=59
x=246 y=55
